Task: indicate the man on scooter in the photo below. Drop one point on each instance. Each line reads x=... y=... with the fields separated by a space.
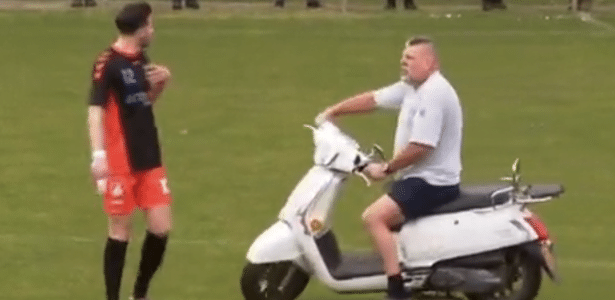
x=427 y=156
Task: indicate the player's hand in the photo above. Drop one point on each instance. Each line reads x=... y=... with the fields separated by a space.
x=376 y=171
x=100 y=170
x=157 y=74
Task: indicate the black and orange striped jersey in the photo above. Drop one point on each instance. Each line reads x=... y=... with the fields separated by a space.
x=119 y=85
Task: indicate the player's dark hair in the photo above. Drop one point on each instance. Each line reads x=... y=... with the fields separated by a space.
x=132 y=17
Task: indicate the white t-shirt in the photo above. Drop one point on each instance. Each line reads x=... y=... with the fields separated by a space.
x=430 y=115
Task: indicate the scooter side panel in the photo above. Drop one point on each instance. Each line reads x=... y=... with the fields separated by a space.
x=277 y=243
x=309 y=187
x=428 y=240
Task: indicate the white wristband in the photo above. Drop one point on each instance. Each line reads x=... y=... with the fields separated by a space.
x=99 y=154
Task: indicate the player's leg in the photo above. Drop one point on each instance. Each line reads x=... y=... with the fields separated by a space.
x=493 y=4
x=176 y=4
x=90 y=3
x=119 y=205
x=115 y=253
x=313 y=4
x=155 y=199
x=409 y=5
x=76 y=3
x=194 y=4
x=390 y=4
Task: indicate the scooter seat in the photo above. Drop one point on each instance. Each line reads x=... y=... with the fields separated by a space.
x=488 y=195
x=476 y=196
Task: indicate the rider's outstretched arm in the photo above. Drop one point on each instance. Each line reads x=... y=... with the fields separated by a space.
x=361 y=103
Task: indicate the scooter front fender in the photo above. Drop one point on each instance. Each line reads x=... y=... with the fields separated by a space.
x=275 y=244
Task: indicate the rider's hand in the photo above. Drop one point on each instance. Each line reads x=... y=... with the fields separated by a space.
x=377 y=171
x=99 y=169
x=323 y=117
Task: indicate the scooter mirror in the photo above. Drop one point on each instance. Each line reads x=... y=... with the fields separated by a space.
x=377 y=150
x=516 y=167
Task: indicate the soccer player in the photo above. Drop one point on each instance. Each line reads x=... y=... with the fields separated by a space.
x=427 y=156
x=126 y=159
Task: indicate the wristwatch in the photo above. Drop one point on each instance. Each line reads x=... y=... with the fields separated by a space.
x=387 y=169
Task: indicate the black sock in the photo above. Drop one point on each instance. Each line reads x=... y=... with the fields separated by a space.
x=391 y=3
x=151 y=258
x=114 y=257
x=395 y=286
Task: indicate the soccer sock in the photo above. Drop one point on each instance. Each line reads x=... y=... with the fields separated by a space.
x=390 y=3
x=151 y=258
x=395 y=286
x=114 y=257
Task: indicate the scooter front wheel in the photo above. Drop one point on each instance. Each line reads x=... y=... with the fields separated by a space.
x=273 y=281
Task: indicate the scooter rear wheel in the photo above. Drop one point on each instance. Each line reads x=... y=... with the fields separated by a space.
x=523 y=277
x=273 y=281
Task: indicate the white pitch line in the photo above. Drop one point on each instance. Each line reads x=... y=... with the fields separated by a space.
x=85 y=240
x=587 y=17
x=588 y=264
x=568 y=262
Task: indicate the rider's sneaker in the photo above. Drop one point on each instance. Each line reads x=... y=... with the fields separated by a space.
x=407 y=296
x=395 y=298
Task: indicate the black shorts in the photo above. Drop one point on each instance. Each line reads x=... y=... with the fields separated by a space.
x=417 y=198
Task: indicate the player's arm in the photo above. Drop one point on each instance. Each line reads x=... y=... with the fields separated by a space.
x=101 y=78
x=157 y=76
x=95 y=125
x=97 y=141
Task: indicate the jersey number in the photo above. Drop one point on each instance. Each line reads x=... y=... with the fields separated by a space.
x=165 y=186
x=129 y=76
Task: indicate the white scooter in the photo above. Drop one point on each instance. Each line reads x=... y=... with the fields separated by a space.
x=484 y=245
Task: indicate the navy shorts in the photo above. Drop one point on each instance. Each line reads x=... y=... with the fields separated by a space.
x=417 y=198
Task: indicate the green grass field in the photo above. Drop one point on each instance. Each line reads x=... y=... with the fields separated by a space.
x=231 y=126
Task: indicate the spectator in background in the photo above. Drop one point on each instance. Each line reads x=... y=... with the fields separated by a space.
x=177 y=4
x=408 y=4
x=309 y=3
x=582 y=5
x=493 y=4
x=82 y=3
